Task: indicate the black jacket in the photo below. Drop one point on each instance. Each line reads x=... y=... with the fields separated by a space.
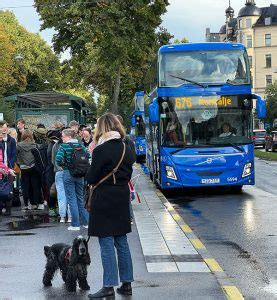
x=110 y=214
x=11 y=150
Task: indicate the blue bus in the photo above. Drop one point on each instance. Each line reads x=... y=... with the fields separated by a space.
x=200 y=117
x=138 y=127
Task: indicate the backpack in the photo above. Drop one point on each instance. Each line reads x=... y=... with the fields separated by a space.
x=40 y=158
x=79 y=162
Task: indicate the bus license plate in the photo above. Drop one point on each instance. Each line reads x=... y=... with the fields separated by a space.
x=210 y=180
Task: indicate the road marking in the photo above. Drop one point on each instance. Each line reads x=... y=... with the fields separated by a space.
x=197 y=244
x=176 y=217
x=213 y=265
x=232 y=292
x=186 y=228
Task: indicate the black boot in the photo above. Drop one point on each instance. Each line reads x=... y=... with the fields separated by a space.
x=8 y=208
x=125 y=289
x=103 y=293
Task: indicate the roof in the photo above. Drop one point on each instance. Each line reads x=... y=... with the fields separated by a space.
x=250 y=9
x=267 y=12
x=201 y=46
x=47 y=98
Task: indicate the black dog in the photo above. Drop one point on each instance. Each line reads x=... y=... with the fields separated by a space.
x=72 y=262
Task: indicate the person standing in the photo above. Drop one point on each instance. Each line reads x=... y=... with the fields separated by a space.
x=8 y=145
x=74 y=190
x=62 y=201
x=31 y=178
x=20 y=124
x=110 y=216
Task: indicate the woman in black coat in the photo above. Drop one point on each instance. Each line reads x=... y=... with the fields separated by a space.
x=110 y=215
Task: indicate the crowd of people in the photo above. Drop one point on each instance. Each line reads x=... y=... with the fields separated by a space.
x=30 y=157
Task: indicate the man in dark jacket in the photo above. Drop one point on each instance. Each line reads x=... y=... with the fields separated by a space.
x=8 y=145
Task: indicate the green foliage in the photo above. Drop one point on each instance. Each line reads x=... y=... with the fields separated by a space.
x=271 y=103
x=113 y=43
x=8 y=110
x=33 y=62
x=182 y=41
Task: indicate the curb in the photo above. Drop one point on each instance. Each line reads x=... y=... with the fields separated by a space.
x=231 y=292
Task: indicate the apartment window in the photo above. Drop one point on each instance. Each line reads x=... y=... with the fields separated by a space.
x=240 y=23
x=268 y=60
x=248 y=23
x=268 y=80
x=249 y=41
x=250 y=61
x=268 y=40
x=267 y=21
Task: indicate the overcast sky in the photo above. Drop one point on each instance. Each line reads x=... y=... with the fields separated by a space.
x=184 y=18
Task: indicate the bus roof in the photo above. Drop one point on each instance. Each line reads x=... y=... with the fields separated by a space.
x=201 y=46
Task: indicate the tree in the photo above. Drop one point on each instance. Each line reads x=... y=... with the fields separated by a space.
x=271 y=103
x=37 y=61
x=182 y=41
x=119 y=35
x=7 y=51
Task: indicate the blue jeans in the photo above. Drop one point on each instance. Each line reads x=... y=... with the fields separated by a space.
x=125 y=265
x=62 y=202
x=74 y=192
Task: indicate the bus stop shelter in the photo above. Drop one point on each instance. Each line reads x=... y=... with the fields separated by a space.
x=48 y=107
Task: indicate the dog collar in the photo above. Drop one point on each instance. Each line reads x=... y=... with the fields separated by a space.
x=68 y=254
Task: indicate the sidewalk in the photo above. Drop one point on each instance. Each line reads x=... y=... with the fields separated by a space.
x=166 y=264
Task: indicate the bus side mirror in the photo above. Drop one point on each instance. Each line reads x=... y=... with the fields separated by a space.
x=154 y=111
x=260 y=106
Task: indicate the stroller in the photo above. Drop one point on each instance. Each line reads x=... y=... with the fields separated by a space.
x=6 y=193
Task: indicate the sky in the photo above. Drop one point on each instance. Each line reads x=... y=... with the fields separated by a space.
x=184 y=18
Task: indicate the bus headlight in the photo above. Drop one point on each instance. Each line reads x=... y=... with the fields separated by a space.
x=170 y=173
x=247 y=170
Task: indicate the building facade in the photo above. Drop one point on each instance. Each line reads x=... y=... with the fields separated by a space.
x=256 y=28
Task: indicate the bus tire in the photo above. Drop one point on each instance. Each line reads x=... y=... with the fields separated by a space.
x=237 y=189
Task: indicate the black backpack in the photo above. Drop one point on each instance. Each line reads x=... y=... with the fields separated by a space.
x=79 y=162
x=40 y=158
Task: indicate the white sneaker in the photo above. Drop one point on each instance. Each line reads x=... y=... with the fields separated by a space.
x=62 y=220
x=73 y=228
x=41 y=206
x=85 y=226
x=68 y=220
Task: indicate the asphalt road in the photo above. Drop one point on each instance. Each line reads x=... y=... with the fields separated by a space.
x=240 y=230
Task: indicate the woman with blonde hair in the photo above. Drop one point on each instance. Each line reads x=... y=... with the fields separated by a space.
x=109 y=219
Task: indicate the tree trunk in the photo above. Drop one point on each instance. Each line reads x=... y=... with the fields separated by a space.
x=116 y=90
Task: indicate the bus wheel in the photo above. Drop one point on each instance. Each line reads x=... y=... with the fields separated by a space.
x=237 y=189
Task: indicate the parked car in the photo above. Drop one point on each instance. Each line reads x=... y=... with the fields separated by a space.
x=259 y=137
x=271 y=141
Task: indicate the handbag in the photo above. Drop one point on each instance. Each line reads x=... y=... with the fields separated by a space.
x=91 y=188
x=6 y=189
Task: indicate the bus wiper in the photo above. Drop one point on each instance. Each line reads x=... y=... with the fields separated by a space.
x=190 y=81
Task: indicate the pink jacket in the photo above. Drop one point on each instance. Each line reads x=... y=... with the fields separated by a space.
x=3 y=168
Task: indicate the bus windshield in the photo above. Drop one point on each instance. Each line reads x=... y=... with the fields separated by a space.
x=205 y=121
x=209 y=67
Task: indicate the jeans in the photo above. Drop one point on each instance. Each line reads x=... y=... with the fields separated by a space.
x=74 y=192
x=110 y=265
x=62 y=202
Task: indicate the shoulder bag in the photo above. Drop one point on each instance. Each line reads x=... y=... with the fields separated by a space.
x=91 y=188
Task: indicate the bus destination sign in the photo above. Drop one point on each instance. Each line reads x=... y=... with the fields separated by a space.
x=205 y=102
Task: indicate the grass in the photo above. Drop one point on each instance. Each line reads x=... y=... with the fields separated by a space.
x=266 y=155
